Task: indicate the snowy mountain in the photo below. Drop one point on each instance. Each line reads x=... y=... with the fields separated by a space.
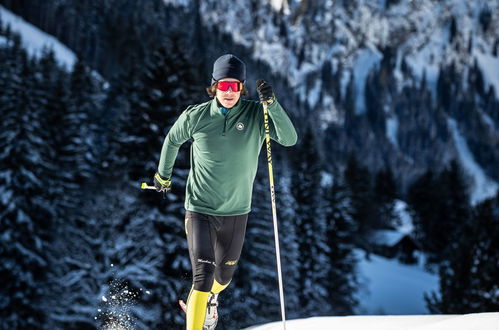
x=36 y=41
x=482 y=321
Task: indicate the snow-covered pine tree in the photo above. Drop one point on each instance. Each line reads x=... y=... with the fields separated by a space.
x=82 y=116
x=468 y=277
x=310 y=227
x=455 y=209
x=385 y=193
x=358 y=180
x=342 y=277
x=69 y=124
x=440 y=206
x=156 y=96
x=26 y=214
x=422 y=196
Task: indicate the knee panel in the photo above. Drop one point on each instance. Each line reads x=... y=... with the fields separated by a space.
x=204 y=275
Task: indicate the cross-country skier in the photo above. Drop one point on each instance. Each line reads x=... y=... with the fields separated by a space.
x=227 y=135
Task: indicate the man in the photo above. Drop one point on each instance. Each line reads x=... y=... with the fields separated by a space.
x=227 y=135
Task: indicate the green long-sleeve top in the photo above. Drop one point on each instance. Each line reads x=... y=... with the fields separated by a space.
x=224 y=153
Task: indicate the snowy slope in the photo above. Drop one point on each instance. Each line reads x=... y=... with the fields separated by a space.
x=389 y=287
x=481 y=321
x=35 y=40
x=482 y=186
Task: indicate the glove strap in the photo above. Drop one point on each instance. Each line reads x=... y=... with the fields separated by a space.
x=271 y=100
x=163 y=182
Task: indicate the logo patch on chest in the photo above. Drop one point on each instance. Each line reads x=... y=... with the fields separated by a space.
x=239 y=126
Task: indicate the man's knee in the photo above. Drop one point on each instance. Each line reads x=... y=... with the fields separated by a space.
x=224 y=273
x=204 y=275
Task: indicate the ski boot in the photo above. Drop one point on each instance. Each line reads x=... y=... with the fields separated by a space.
x=211 y=320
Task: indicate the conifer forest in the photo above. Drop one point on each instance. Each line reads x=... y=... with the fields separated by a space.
x=384 y=134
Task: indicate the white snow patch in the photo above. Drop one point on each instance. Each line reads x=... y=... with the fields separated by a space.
x=280 y=4
x=406 y=225
x=314 y=94
x=35 y=40
x=483 y=187
x=330 y=114
x=386 y=237
x=365 y=60
x=392 y=126
x=489 y=65
x=479 y=321
x=326 y=179
x=486 y=119
x=393 y=288
x=177 y=3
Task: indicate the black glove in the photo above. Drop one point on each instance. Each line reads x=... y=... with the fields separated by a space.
x=162 y=184
x=265 y=93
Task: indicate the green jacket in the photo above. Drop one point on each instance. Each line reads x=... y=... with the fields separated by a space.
x=224 y=153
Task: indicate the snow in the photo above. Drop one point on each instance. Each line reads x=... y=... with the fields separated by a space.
x=482 y=187
x=35 y=40
x=479 y=321
x=365 y=61
x=392 y=126
x=387 y=237
x=314 y=94
x=487 y=120
x=489 y=65
x=177 y=3
x=406 y=225
x=424 y=61
x=280 y=4
x=393 y=288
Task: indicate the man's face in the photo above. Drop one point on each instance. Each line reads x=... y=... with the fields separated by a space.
x=228 y=98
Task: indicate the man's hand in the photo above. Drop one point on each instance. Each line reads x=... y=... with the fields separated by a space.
x=162 y=184
x=265 y=93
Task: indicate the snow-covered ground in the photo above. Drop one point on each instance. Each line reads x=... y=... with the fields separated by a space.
x=36 y=40
x=482 y=186
x=481 y=321
x=389 y=287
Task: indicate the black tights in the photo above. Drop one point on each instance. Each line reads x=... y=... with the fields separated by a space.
x=215 y=244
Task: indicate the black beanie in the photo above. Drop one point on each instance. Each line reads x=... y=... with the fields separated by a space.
x=228 y=66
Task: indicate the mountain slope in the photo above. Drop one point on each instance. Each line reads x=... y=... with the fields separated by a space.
x=393 y=48
x=35 y=40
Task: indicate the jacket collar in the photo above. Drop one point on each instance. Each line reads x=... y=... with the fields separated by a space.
x=216 y=111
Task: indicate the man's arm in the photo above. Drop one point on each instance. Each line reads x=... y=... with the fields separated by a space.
x=178 y=134
x=281 y=128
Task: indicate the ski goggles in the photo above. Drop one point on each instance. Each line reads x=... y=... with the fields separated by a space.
x=235 y=86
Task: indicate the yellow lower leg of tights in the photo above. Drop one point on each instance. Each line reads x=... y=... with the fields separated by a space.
x=196 y=309
x=217 y=287
x=196 y=305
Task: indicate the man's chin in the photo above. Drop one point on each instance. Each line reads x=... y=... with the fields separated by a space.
x=228 y=104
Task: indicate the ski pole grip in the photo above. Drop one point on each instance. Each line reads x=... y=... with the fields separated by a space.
x=146 y=186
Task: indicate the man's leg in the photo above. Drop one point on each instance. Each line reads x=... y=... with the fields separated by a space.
x=201 y=239
x=230 y=239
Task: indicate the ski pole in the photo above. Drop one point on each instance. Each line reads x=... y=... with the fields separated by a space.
x=146 y=186
x=274 y=210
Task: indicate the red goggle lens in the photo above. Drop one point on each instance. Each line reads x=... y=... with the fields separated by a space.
x=235 y=86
